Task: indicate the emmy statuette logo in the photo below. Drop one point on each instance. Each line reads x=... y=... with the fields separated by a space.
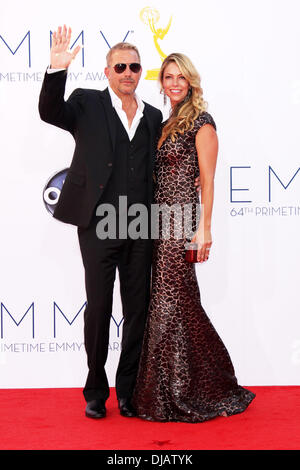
x=150 y=18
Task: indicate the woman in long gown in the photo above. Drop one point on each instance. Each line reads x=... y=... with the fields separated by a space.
x=185 y=371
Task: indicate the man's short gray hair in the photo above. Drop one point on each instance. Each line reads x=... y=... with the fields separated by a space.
x=119 y=47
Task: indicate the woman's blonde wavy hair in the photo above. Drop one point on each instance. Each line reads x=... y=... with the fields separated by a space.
x=184 y=113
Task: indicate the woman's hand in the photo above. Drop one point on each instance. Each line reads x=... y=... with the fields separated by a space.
x=204 y=241
x=60 y=56
x=197 y=184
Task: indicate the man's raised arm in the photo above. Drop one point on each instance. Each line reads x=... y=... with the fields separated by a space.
x=52 y=107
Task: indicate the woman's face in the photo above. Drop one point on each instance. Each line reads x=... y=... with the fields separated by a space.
x=174 y=84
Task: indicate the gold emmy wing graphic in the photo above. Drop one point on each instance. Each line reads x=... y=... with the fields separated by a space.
x=150 y=17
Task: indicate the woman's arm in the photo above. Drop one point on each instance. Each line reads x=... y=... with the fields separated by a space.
x=207 y=150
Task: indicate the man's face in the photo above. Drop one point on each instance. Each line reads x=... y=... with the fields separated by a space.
x=126 y=82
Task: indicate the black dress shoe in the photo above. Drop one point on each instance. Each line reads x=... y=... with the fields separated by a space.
x=95 y=409
x=126 y=408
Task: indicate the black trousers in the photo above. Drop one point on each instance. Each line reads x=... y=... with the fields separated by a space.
x=101 y=259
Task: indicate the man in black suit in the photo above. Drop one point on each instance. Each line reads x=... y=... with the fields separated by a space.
x=115 y=135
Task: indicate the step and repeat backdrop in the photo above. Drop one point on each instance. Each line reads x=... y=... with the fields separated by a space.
x=248 y=57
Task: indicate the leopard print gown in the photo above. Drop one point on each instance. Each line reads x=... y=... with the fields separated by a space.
x=185 y=371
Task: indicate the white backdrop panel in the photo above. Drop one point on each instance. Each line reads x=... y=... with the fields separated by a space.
x=247 y=55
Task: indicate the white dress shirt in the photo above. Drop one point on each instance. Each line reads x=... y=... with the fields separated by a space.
x=117 y=104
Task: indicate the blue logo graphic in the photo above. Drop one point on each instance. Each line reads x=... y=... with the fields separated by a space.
x=53 y=189
x=17 y=323
x=28 y=38
x=27 y=35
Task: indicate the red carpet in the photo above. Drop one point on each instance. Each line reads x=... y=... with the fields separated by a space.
x=53 y=419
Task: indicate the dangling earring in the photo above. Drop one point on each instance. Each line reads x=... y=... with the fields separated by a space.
x=162 y=92
x=189 y=94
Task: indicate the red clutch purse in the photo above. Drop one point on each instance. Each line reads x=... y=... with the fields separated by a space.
x=191 y=253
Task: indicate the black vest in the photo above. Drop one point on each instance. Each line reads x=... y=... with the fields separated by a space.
x=129 y=173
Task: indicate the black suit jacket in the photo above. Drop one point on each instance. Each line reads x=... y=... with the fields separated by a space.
x=89 y=116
